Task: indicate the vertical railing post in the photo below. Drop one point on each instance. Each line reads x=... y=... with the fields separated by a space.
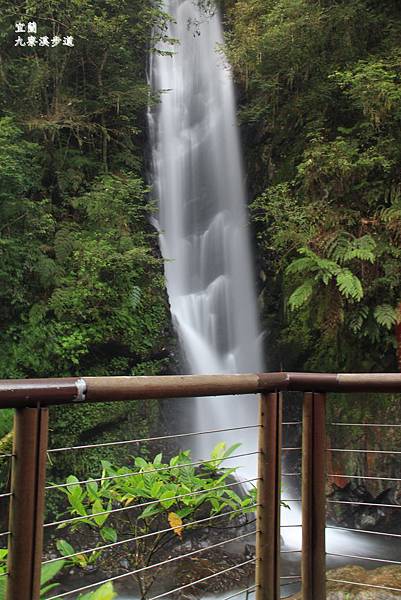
x=269 y=496
x=314 y=497
x=27 y=503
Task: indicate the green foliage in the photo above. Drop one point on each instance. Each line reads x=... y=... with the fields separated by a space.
x=320 y=115
x=153 y=502
x=49 y=572
x=81 y=284
x=324 y=271
x=105 y=592
x=81 y=279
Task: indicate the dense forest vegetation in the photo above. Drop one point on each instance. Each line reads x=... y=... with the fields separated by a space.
x=82 y=288
x=81 y=278
x=320 y=113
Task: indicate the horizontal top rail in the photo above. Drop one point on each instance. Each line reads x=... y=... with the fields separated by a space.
x=19 y=393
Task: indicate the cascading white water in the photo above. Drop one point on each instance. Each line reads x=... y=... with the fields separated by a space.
x=199 y=183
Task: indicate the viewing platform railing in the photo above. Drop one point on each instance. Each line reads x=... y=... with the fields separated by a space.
x=31 y=400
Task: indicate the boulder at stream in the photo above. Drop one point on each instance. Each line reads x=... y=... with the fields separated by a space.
x=384 y=576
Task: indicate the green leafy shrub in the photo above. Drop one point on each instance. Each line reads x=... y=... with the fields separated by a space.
x=154 y=503
x=49 y=572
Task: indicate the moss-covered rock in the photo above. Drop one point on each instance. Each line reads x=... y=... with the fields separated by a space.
x=382 y=577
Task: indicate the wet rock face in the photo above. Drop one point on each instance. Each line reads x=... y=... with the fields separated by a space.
x=358 y=516
x=383 y=577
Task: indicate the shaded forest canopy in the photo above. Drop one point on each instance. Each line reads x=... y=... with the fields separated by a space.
x=320 y=109
x=81 y=279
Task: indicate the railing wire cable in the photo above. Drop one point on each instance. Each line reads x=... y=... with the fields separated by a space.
x=380 y=587
x=370 y=558
x=154 y=566
x=147 y=472
x=360 y=451
x=183 y=587
x=364 y=477
x=252 y=588
x=146 y=535
x=395 y=535
x=366 y=424
x=142 y=504
x=150 y=439
x=364 y=503
x=294 y=580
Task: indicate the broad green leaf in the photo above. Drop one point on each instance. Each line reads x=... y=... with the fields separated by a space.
x=108 y=534
x=50 y=570
x=64 y=547
x=105 y=592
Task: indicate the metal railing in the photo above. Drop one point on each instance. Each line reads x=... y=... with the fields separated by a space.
x=32 y=399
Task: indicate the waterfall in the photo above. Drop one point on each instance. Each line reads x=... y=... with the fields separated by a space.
x=199 y=183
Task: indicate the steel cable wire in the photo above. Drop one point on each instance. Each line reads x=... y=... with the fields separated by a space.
x=183 y=587
x=395 y=535
x=380 y=587
x=150 y=439
x=142 y=504
x=154 y=566
x=147 y=535
x=147 y=472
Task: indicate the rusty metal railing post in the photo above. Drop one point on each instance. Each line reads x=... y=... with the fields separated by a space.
x=314 y=497
x=27 y=503
x=269 y=496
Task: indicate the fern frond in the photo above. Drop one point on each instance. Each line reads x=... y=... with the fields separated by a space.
x=301 y=295
x=386 y=316
x=358 y=318
x=349 y=285
x=337 y=247
x=392 y=213
x=136 y=295
x=301 y=265
x=361 y=248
